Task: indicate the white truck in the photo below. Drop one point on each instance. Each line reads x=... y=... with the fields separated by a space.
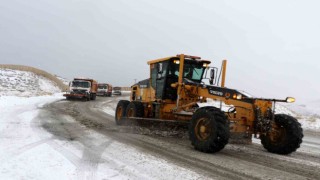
x=82 y=88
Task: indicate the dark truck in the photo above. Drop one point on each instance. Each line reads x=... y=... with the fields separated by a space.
x=104 y=89
x=117 y=90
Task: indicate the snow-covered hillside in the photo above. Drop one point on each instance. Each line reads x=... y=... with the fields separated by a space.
x=309 y=109
x=25 y=84
x=63 y=80
x=308 y=115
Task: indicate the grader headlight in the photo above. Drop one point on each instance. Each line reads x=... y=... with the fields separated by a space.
x=290 y=99
x=237 y=96
x=206 y=65
x=176 y=61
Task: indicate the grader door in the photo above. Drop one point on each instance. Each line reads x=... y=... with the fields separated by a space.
x=158 y=78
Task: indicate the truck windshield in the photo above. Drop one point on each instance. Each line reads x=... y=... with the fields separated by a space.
x=102 y=87
x=83 y=84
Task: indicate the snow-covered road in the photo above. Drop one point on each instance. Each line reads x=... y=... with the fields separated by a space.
x=25 y=154
x=46 y=145
x=79 y=140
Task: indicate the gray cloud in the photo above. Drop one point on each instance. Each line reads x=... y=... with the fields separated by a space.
x=272 y=46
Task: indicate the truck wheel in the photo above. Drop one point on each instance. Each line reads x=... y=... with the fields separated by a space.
x=135 y=109
x=93 y=96
x=209 y=130
x=121 y=111
x=285 y=136
x=88 y=97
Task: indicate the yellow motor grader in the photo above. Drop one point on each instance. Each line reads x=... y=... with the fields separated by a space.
x=176 y=86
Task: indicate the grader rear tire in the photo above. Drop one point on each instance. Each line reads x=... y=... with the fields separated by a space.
x=285 y=137
x=121 y=112
x=209 y=130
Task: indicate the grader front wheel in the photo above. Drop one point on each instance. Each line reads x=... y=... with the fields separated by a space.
x=121 y=111
x=285 y=136
x=209 y=130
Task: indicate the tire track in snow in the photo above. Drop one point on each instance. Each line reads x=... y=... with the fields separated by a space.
x=64 y=130
x=211 y=169
x=251 y=163
x=16 y=151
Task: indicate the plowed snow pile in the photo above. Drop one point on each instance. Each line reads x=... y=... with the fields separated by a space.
x=25 y=84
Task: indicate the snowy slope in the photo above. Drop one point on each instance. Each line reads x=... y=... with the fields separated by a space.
x=308 y=115
x=25 y=84
x=309 y=109
x=63 y=80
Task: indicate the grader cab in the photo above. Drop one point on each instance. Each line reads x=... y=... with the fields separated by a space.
x=176 y=86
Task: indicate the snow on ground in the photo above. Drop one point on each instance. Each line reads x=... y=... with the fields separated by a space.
x=29 y=152
x=110 y=109
x=25 y=84
x=21 y=156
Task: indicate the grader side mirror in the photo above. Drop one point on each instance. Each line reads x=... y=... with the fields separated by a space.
x=212 y=73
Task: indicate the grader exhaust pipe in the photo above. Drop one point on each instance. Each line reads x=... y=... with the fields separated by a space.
x=224 y=69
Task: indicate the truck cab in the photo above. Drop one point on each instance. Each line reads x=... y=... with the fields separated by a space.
x=104 y=89
x=117 y=90
x=82 y=88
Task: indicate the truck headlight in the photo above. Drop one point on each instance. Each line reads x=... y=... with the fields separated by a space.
x=290 y=99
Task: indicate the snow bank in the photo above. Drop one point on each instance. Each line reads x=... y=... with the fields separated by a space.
x=25 y=84
x=23 y=154
x=308 y=115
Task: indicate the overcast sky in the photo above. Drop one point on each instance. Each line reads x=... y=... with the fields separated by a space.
x=272 y=47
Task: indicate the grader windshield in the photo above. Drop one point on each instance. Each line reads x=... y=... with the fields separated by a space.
x=192 y=70
x=165 y=73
